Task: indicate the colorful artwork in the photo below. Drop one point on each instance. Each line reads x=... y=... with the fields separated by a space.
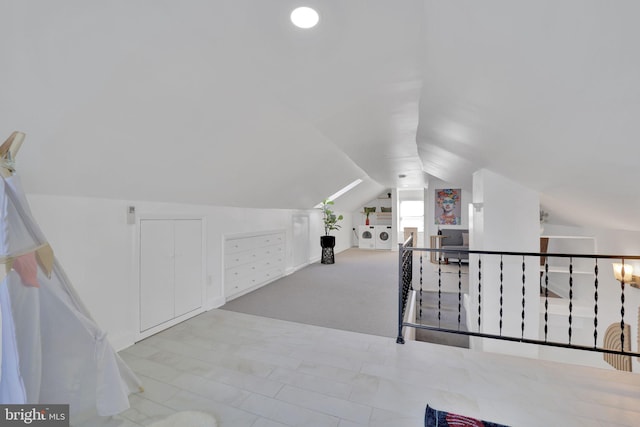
x=447 y=206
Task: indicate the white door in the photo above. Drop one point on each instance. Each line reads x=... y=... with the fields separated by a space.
x=156 y=273
x=171 y=280
x=188 y=266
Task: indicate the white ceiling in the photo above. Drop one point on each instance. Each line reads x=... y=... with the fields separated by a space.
x=546 y=93
x=227 y=103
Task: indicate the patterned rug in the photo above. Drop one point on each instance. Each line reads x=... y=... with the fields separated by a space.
x=436 y=418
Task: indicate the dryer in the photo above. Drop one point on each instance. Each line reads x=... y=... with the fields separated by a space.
x=366 y=237
x=383 y=236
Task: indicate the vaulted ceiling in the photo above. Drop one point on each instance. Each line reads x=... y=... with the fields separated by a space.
x=227 y=103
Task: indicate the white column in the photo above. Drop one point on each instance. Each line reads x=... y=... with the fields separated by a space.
x=504 y=218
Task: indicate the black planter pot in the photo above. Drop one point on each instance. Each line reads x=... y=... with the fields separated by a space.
x=327 y=243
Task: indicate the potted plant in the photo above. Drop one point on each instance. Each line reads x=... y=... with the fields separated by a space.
x=369 y=211
x=328 y=242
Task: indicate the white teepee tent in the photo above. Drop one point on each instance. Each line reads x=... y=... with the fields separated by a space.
x=52 y=350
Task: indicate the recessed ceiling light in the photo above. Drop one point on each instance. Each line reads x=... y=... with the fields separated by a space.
x=304 y=17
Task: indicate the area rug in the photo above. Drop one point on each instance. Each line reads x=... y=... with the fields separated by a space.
x=186 y=419
x=435 y=418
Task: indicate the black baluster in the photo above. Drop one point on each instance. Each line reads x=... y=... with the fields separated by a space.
x=420 y=316
x=570 y=297
x=595 y=308
x=546 y=298
x=479 y=290
x=523 y=294
x=459 y=288
x=410 y=268
x=439 y=289
x=501 y=289
x=622 y=309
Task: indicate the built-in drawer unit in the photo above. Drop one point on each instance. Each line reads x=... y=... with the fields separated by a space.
x=252 y=260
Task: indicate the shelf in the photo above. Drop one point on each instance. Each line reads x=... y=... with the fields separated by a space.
x=567 y=237
x=378 y=213
x=564 y=270
x=582 y=267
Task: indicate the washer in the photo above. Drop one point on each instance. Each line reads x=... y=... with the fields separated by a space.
x=366 y=237
x=383 y=236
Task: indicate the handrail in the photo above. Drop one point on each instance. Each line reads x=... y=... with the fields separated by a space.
x=532 y=254
x=617 y=344
x=405 y=279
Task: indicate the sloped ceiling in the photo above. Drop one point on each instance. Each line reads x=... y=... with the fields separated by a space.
x=543 y=92
x=225 y=102
x=220 y=102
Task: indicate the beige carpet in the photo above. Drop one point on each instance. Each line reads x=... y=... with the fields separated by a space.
x=358 y=293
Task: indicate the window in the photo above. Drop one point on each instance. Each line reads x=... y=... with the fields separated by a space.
x=412 y=214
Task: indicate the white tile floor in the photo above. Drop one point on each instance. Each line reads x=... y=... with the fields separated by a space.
x=259 y=372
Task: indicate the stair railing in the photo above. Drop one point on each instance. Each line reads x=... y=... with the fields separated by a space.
x=506 y=279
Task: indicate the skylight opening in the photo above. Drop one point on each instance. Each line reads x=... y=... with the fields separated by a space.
x=304 y=17
x=340 y=192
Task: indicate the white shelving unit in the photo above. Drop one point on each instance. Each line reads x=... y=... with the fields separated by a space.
x=583 y=268
x=383 y=218
x=377 y=218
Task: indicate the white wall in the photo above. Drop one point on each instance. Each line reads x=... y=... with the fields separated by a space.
x=98 y=249
x=508 y=221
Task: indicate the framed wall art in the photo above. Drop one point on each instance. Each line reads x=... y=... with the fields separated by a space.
x=447 y=206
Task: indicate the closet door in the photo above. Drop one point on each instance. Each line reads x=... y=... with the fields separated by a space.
x=156 y=273
x=188 y=266
x=171 y=271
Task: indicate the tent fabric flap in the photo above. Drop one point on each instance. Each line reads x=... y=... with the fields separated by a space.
x=52 y=350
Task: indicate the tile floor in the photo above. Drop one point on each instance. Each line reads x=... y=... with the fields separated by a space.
x=260 y=372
